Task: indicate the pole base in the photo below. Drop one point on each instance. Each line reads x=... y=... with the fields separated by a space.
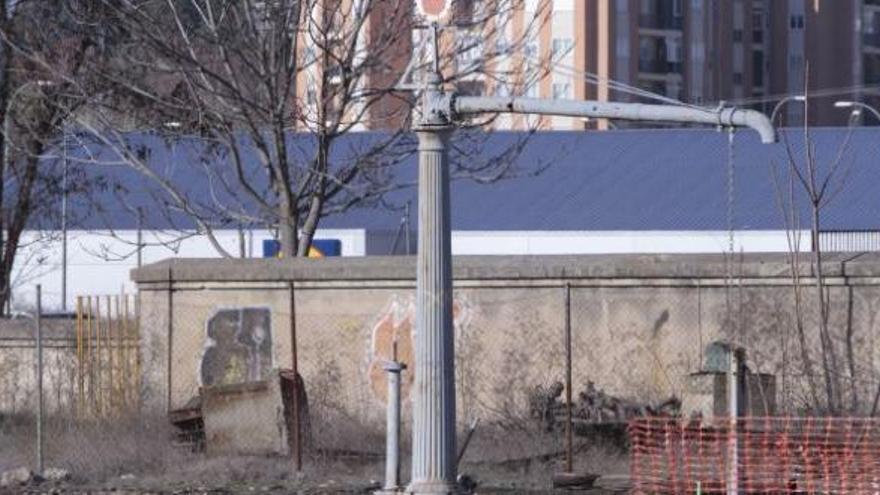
x=389 y=491
x=433 y=488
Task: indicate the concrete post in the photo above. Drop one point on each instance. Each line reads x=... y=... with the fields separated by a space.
x=433 y=462
x=392 y=438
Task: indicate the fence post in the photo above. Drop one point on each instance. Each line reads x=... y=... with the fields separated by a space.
x=569 y=447
x=296 y=455
x=39 y=338
x=733 y=410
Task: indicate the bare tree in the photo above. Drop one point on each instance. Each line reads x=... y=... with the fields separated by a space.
x=818 y=182
x=34 y=104
x=260 y=93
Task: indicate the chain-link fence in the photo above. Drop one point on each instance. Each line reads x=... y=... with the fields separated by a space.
x=639 y=348
x=69 y=389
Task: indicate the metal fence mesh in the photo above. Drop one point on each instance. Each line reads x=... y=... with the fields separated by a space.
x=637 y=351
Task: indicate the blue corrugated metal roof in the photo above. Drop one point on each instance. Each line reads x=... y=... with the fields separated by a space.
x=613 y=180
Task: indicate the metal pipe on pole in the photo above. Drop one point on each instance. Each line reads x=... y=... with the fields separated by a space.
x=725 y=116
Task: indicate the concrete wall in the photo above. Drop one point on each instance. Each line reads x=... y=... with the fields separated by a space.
x=639 y=323
x=18 y=378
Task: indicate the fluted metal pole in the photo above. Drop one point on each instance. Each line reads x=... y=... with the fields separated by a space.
x=433 y=463
x=434 y=455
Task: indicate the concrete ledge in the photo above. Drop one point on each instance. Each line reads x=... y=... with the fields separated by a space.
x=377 y=268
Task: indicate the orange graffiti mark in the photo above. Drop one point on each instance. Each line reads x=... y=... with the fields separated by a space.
x=396 y=324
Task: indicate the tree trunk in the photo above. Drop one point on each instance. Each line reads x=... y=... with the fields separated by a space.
x=829 y=356
x=4 y=112
x=287 y=232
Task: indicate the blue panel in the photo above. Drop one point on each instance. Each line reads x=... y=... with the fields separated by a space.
x=328 y=247
x=271 y=248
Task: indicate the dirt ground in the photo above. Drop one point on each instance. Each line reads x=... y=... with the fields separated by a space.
x=141 y=457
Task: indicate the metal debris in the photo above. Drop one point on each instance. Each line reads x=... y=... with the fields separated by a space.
x=592 y=406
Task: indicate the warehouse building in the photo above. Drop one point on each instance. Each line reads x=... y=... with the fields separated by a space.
x=628 y=191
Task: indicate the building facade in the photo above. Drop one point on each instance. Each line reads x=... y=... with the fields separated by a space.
x=751 y=53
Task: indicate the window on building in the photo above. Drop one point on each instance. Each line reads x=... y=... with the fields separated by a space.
x=757 y=27
x=530 y=51
x=561 y=91
x=561 y=47
x=502 y=44
x=677 y=9
x=871 y=28
x=757 y=68
x=796 y=22
x=673 y=49
x=737 y=78
x=470 y=50
x=673 y=89
x=646 y=49
x=737 y=35
x=531 y=90
x=308 y=55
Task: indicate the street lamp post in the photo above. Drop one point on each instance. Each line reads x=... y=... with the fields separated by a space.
x=778 y=106
x=434 y=445
x=858 y=105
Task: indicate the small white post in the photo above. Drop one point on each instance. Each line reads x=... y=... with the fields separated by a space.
x=392 y=438
x=733 y=411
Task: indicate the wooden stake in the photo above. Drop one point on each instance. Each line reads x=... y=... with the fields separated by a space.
x=111 y=391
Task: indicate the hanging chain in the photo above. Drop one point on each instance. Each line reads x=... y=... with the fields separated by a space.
x=731 y=196
x=731 y=184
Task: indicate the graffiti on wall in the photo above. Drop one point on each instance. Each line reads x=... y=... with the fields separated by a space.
x=238 y=346
x=395 y=324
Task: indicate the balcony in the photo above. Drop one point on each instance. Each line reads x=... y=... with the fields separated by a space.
x=661 y=21
x=871 y=40
x=758 y=36
x=654 y=66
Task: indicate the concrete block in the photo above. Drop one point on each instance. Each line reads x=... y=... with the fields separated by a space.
x=252 y=418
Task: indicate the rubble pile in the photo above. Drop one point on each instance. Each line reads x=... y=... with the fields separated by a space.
x=592 y=406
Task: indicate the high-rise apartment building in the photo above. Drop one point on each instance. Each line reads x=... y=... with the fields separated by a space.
x=748 y=52
x=838 y=44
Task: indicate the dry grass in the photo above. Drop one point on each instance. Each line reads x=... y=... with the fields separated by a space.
x=526 y=457
x=91 y=450
x=141 y=454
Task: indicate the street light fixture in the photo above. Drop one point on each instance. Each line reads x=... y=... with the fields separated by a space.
x=801 y=98
x=856 y=106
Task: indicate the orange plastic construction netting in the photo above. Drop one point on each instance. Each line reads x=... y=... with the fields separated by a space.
x=755 y=455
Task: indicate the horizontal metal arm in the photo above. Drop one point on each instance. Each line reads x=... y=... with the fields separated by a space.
x=729 y=116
